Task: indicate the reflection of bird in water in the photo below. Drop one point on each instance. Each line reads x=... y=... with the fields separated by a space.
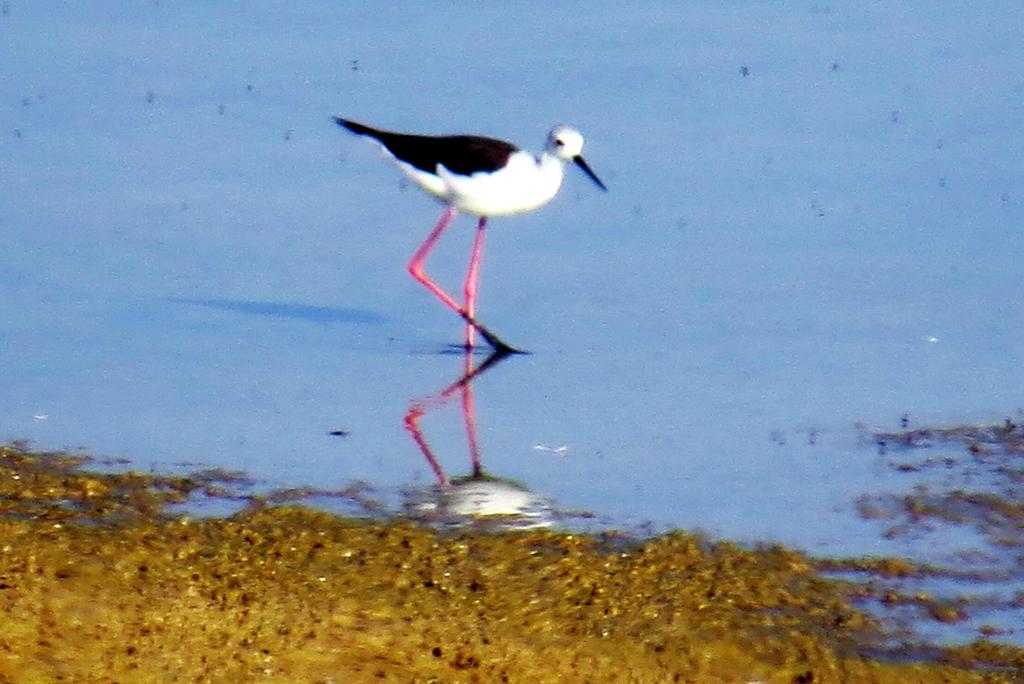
x=480 y=176
x=477 y=498
x=481 y=500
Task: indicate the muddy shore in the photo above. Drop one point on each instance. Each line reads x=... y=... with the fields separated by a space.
x=100 y=582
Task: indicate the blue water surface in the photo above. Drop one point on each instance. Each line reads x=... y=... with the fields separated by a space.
x=814 y=221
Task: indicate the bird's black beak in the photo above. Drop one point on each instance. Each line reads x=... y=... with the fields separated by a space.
x=578 y=160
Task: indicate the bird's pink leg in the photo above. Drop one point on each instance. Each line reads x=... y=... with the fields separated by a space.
x=416 y=270
x=472 y=278
x=416 y=264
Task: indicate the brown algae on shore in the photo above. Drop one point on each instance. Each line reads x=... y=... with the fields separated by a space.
x=99 y=582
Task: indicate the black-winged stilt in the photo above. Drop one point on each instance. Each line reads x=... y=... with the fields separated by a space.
x=480 y=176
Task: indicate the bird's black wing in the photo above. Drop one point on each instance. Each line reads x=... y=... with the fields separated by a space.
x=461 y=154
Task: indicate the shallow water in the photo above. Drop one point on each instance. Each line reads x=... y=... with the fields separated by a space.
x=813 y=221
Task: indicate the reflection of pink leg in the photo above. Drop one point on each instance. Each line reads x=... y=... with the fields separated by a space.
x=413 y=426
x=464 y=386
x=416 y=264
x=469 y=416
x=472 y=277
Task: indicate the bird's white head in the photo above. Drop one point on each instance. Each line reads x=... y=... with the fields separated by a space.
x=566 y=143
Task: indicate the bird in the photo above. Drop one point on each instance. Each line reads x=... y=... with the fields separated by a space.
x=481 y=176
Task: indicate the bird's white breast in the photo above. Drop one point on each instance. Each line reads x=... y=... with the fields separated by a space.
x=525 y=183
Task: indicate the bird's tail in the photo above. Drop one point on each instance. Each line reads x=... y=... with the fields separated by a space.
x=356 y=128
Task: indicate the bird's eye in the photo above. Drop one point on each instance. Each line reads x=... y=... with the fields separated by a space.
x=559 y=142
